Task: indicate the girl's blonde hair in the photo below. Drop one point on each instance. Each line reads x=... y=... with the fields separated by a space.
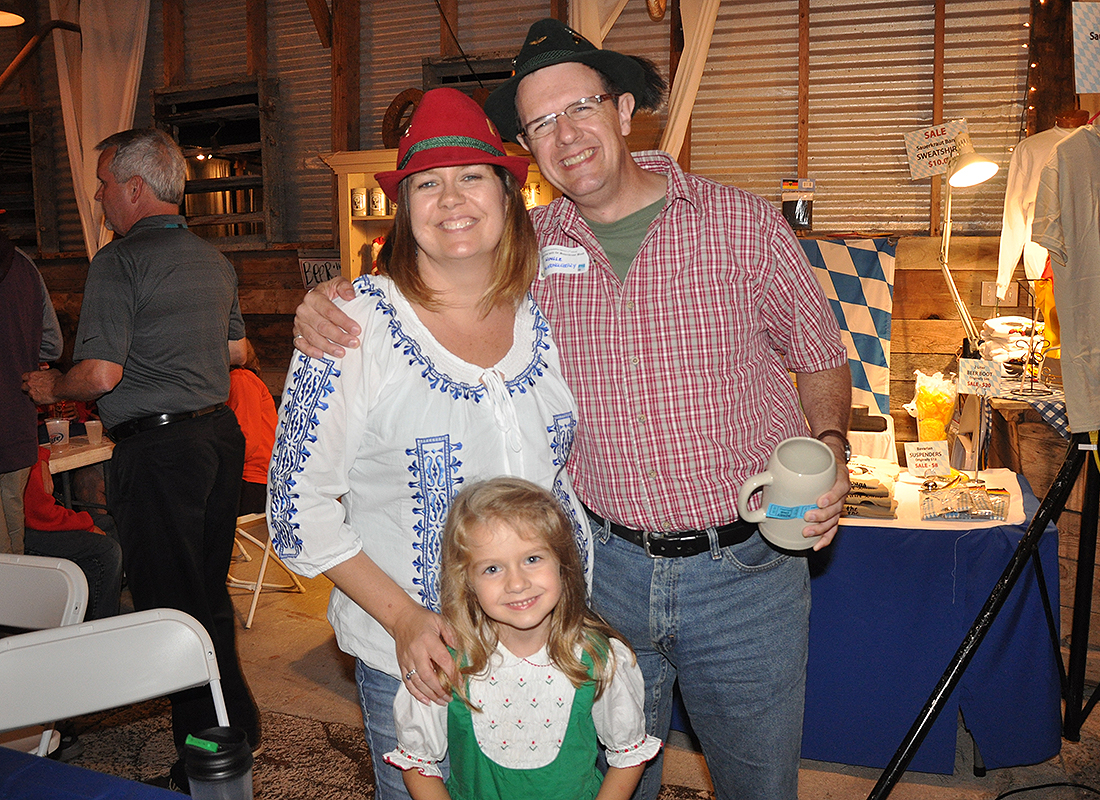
x=532 y=512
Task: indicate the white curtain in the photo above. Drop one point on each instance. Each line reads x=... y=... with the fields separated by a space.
x=99 y=70
x=698 y=19
x=592 y=19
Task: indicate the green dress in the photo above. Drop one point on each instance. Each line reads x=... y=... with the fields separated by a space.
x=572 y=775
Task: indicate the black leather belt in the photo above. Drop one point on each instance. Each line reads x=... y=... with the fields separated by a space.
x=676 y=544
x=127 y=429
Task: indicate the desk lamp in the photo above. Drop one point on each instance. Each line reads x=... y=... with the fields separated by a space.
x=966 y=168
x=8 y=16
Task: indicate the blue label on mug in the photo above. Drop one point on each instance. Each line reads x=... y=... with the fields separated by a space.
x=776 y=511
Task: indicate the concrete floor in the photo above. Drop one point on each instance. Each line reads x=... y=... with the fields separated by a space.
x=294 y=667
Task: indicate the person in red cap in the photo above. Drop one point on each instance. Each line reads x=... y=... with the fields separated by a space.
x=681 y=307
x=457 y=380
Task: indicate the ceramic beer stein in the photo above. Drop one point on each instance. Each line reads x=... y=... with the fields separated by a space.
x=799 y=472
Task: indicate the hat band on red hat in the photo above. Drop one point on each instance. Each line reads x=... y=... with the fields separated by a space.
x=448 y=141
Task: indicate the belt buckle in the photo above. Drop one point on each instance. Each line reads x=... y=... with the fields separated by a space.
x=645 y=544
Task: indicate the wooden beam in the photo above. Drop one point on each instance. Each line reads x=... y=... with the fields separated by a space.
x=345 y=74
x=322 y=21
x=448 y=28
x=255 y=19
x=1051 y=51
x=803 y=88
x=675 y=52
x=559 y=10
x=173 y=42
x=939 y=36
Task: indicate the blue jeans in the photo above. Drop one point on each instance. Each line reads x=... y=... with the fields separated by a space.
x=376 y=693
x=732 y=626
x=99 y=556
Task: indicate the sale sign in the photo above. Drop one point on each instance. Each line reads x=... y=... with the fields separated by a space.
x=930 y=150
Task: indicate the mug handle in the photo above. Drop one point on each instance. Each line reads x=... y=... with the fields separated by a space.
x=747 y=488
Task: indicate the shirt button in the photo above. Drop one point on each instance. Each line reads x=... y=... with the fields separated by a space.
x=653 y=473
x=635 y=360
x=641 y=418
x=630 y=305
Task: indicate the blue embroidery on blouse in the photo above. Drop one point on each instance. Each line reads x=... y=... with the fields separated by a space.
x=431 y=373
x=561 y=443
x=435 y=482
x=310 y=383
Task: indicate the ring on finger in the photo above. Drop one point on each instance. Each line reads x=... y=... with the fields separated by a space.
x=410 y=673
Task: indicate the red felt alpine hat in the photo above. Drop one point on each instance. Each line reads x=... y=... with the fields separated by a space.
x=449 y=129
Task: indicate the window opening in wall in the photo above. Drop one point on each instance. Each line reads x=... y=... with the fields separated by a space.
x=226 y=135
x=17 y=181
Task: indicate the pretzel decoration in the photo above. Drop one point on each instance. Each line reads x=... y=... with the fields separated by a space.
x=656 y=9
x=397 y=116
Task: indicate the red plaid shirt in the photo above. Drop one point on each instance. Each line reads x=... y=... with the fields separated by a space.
x=681 y=372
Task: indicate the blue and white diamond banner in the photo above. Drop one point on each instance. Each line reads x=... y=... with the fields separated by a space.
x=858 y=278
x=1086 y=47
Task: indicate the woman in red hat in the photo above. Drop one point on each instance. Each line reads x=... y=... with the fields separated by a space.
x=457 y=380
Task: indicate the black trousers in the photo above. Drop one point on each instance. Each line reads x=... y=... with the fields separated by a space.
x=173 y=492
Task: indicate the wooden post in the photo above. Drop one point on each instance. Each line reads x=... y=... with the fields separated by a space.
x=255 y=17
x=559 y=10
x=1051 y=51
x=448 y=28
x=322 y=21
x=803 y=88
x=345 y=74
x=675 y=51
x=934 y=220
x=172 y=11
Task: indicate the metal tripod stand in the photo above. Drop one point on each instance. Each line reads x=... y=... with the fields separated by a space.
x=1080 y=453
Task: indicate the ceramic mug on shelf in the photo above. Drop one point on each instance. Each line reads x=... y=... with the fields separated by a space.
x=798 y=473
x=359 y=201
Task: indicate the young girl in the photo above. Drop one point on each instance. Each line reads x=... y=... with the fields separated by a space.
x=542 y=677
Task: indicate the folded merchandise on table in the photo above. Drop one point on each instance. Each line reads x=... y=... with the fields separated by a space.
x=872 y=492
x=1011 y=340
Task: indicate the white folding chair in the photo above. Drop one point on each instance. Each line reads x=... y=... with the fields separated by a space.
x=39 y=592
x=258 y=585
x=102 y=664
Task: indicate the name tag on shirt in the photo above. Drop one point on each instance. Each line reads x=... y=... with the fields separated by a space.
x=556 y=259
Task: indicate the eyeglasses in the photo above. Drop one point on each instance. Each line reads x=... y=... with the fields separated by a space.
x=582 y=109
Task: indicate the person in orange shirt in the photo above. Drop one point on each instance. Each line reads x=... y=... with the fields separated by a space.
x=251 y=401
x=59 y=532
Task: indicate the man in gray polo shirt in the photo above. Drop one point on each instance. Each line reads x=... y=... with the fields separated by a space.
x=158 y=328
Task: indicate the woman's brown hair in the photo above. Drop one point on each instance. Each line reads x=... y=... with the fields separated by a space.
x=515 y=265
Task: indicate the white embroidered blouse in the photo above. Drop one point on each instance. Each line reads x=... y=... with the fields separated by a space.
x=525 y=706
x=371 y=448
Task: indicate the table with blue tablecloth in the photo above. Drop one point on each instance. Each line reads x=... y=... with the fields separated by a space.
x=892 y=602
x=27 y=777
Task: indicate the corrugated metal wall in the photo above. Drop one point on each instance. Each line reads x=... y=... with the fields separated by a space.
x=870 y=83
x=397 y=37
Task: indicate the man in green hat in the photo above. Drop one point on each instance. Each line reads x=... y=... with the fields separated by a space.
x=680 y=308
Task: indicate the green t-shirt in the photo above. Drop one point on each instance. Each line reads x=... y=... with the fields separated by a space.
x=621 y=240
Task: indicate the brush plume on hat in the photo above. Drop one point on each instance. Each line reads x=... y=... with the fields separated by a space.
x=449 y=129
x=551 y=42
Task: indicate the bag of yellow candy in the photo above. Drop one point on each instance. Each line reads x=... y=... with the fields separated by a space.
x=933 y=405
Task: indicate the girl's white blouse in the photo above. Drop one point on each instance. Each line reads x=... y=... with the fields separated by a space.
x=525 y=706
x=371 y=448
